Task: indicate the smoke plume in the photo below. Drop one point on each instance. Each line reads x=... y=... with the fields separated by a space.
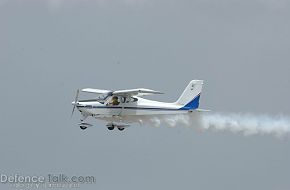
x=247 y=124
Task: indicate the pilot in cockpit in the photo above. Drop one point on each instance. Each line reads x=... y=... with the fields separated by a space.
x=115 y=101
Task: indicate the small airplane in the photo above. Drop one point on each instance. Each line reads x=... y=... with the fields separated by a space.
x=119 y=107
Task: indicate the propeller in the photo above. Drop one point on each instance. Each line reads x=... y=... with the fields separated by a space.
x=75 y=102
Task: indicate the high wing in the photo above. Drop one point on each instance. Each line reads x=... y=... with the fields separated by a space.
x=123 y=93
x=135 y=92
x=102 y=94
x=96 y=91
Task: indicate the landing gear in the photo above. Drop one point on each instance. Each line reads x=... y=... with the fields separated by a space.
x=111 y=128
x=83 y=127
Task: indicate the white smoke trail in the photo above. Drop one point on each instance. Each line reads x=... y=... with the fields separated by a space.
x=248 y=124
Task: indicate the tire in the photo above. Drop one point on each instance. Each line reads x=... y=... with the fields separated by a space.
x=121 y=128
x=83 y=127
x=111 y=128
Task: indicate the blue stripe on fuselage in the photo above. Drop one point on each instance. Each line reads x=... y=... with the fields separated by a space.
x=119 y=107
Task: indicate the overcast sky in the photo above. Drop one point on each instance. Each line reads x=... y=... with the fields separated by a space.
x=50 y=48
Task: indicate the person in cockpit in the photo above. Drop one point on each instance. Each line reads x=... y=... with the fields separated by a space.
x=115 y=101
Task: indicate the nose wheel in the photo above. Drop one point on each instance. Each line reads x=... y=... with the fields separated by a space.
x=121 y=128
x=83 y=127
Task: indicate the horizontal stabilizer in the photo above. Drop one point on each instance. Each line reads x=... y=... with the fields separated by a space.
x=202 y=110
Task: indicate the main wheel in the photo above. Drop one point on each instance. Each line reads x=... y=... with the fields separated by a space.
x=121 y=128
x=111 y=128
x=83 y=127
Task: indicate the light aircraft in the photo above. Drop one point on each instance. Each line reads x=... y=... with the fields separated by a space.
x=119 y=107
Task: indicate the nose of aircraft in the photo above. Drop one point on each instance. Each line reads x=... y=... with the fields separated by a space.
x=74 y=103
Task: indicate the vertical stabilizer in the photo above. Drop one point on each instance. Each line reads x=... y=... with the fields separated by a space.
x=189 y=99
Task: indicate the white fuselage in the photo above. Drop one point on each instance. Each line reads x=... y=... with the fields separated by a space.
x=140 y=107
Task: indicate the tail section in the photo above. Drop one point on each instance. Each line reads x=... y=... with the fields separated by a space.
x=189 y=99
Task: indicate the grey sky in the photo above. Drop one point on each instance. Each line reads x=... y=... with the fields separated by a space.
x=48 y=49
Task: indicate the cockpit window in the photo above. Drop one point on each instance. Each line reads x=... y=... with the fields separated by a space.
x=117 y=100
